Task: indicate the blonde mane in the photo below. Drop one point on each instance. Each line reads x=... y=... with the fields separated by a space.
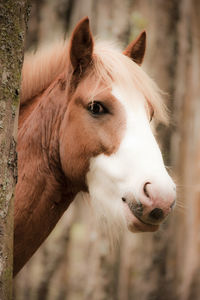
x=42 y=68
x=110 y=65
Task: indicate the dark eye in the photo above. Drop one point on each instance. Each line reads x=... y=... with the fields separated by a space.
x=96 y=108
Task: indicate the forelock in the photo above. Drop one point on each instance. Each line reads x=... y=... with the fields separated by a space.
x=111 y=66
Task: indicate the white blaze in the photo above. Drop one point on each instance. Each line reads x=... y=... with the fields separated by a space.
x=138 y=160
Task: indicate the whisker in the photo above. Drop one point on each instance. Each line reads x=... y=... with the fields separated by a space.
x=169 y=168
x=180 y=210
x=181 y=207
x=188 y=186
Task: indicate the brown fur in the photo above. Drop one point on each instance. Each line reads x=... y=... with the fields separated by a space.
x=136 y=49
x=58 y=136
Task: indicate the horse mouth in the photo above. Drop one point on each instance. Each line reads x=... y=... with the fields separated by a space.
x=135 y=224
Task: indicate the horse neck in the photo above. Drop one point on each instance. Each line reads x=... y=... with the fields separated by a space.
x=42 y=193
x=39 y=124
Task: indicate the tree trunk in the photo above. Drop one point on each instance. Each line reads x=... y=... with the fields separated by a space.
x=186 y=151
x=159 y=266
x=13 y=16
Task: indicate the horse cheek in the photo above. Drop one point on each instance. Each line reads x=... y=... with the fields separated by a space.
x=74 y=162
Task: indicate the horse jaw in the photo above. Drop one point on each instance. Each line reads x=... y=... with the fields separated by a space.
x=137 y=160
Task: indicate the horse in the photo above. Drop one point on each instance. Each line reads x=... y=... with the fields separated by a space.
x=85 y=126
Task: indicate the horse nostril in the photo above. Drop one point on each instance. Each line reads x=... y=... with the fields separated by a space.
x=145 y=189
x=156 y=214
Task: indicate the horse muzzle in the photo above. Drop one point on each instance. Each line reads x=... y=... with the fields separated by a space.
x=151 y=208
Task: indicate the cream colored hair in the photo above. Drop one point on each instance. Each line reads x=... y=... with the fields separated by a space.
x=110 y=65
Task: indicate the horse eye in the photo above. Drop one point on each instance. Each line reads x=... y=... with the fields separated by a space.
x=96 y=108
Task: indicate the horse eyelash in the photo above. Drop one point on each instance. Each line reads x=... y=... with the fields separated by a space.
x=152 y=115
x=99 y=102
x=151 y=110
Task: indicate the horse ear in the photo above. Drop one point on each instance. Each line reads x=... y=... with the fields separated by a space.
x=136 y=49
x=81 y=46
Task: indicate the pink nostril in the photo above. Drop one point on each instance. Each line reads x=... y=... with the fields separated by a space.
x=145 y=189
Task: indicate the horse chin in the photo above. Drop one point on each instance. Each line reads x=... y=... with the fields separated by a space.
x=136 y=225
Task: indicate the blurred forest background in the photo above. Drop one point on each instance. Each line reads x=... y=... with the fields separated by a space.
x=75 y=262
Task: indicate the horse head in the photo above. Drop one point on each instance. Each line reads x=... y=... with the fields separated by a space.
x=107 y=146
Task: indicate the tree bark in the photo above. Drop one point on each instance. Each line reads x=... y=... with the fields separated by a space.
x=186 y=151
x=13 y=15
x=159 y=266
